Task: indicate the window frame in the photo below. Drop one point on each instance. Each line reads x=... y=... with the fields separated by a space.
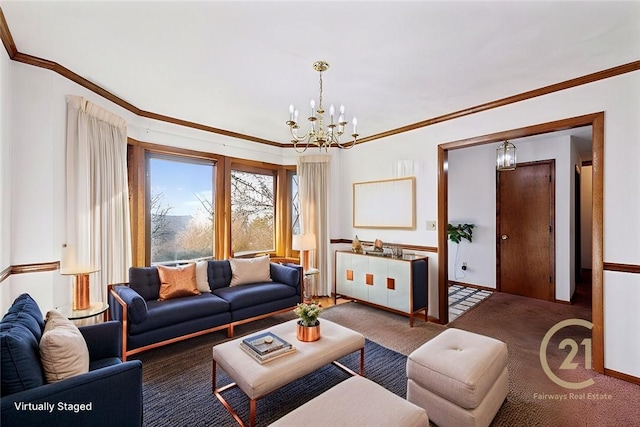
x=138 y=194
x=258 y=169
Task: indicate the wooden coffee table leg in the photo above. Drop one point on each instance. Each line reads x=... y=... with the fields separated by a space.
x=362 y=361
x=213 y=377
x=252 y=413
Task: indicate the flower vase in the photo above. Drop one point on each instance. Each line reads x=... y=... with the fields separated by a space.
x=308 y=333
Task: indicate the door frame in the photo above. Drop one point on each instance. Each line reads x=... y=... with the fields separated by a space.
x=596 y=121
x=552 y=224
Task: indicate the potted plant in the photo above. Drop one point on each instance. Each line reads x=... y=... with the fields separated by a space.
x=461 y=231
x=308 y=327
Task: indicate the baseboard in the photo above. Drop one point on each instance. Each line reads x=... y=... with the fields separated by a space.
x=621 y=376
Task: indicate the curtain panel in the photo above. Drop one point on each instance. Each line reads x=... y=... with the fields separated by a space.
x=98 y=235
x=314 y=182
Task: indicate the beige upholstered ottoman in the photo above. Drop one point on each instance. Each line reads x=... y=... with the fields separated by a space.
x=356 y=401
x=459 y=378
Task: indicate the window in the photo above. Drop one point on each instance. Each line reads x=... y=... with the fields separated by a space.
x=180 y=208
x=295 y=203
x=252 y=210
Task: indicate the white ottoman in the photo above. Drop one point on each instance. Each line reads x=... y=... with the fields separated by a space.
x=356 y=401
x=459 y=378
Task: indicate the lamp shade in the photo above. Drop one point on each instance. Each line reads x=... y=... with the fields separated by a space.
x=303 y=242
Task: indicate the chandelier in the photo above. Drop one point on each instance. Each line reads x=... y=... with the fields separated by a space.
x=317 y=135
x=506 y=156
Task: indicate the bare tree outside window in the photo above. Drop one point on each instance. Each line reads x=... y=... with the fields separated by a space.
x=252 y=212
x=181 y=209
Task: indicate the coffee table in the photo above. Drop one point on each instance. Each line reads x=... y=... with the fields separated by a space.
x=257 y=380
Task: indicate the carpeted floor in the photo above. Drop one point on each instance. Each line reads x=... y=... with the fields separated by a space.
x=522 y=323
x=177 y=378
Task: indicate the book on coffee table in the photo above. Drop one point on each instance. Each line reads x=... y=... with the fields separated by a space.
x=267 y=357
x=265 y=343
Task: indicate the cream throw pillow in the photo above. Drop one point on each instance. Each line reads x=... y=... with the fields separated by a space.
x=63 y=350
x=202 y=279
x=250 y=270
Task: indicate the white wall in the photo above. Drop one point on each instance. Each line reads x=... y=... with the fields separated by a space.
x=618 y=97
x=37 y=180
x=5 y=178
x=472 y=199
x=35 y=162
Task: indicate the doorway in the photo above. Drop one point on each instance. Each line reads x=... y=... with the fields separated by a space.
x=525 y=225
x=596 y=121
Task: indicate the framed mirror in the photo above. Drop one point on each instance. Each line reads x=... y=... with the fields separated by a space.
x=388 y=203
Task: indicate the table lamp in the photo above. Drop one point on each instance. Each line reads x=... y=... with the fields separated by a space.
x=304 y=243
x=69 y=267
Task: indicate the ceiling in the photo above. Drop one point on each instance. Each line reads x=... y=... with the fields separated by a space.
x=238 y=65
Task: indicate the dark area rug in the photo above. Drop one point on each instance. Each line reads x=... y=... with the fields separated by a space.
x=177 y=384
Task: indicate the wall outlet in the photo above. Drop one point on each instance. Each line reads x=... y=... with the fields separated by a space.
x=431 y=225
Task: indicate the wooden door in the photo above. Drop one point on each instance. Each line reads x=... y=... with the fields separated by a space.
x=526 y=230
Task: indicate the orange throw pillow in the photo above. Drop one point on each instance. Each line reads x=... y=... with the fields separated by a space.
x=176 y=282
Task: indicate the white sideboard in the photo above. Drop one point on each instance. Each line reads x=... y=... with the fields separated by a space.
x=395 y=284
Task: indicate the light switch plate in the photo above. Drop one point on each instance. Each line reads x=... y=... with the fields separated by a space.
x=431 y=225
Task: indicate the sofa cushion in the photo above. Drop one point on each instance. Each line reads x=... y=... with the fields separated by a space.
x=254 y=294
x=136 y=305
x=176 y=282
x=173 y=311
x=202 y=277
x=63 y=350
x=25 y=310
x=289 y=274
x=250 y=270
x=219 y=273
x=145 y=281
x=19 y=358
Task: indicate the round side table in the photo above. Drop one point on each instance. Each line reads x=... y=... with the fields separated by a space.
x=94 y=309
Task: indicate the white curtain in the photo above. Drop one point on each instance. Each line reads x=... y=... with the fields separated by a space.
x=314 y=182
x=98 y=236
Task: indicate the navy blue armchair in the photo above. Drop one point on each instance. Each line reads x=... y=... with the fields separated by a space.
x=109 y=394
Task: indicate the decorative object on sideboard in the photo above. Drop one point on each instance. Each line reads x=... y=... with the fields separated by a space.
x=308 y=327
x=317 y=135
x=356 y=246
x=506 y=156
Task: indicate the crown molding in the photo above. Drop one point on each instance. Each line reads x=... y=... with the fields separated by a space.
x=14 y=54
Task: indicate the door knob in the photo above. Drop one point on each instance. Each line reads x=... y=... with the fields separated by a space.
x=505 y=237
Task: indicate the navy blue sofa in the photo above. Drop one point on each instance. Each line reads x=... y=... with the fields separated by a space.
x=148 y=323
x=112 y=388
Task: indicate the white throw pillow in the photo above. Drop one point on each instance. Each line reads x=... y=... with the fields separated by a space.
x=63 y=350
x=250 y=270
x=202 y=279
